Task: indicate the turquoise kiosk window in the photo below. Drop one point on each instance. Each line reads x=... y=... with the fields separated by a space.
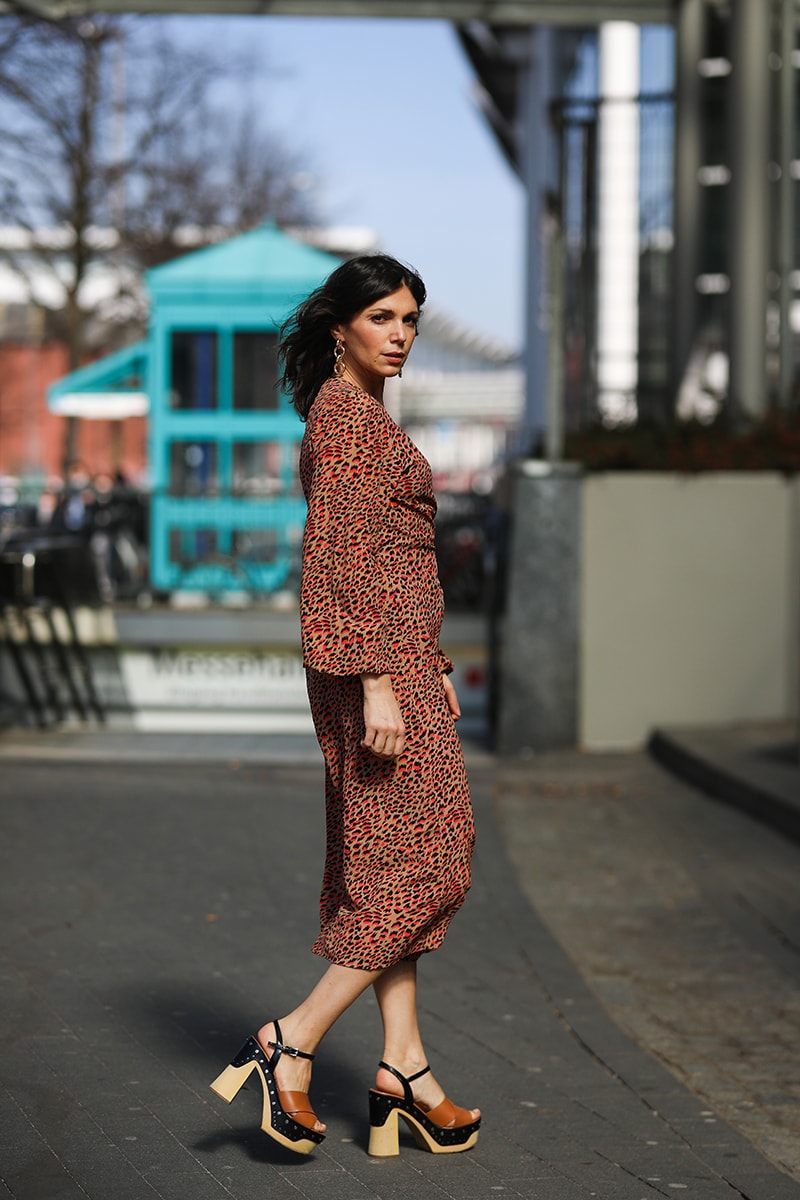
x=255 y=370
x=193 y=369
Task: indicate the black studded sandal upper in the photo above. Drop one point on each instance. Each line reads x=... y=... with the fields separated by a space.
x=381 y=1105
x=282 y=1122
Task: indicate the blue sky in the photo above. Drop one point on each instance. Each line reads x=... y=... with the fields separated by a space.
x=383 y=115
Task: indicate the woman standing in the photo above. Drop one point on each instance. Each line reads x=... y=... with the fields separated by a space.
x=398 y=813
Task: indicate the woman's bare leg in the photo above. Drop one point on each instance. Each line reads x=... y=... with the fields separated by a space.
x=306 y=1026
x=396 y=992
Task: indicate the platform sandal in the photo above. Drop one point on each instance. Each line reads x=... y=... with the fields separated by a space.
x=444 y=1129
x=286 y=1116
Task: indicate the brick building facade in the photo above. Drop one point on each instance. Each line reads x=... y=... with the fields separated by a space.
x=32 y=438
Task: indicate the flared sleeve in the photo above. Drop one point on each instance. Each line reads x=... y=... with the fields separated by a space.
x=345 y=601
x=444 y=664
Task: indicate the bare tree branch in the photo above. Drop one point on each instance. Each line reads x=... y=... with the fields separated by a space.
x=108 y=121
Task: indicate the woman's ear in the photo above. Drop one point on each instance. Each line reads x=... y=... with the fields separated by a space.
x=336 y=333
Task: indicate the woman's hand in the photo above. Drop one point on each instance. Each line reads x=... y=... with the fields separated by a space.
x=384 y=729
x=451 y=697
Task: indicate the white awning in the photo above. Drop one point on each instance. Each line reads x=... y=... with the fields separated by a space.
x=101 y=406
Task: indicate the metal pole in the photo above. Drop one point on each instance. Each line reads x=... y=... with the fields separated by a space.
x=688 y=160
x=749 y=143
x=556 y=422
x=786 y=251
x=535 y=173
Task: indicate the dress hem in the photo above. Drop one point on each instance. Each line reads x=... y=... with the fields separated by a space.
x=358 y=966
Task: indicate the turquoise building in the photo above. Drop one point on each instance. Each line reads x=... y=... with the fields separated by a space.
x=226 y=509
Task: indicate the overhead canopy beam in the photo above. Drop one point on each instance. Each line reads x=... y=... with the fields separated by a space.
x=500 y=12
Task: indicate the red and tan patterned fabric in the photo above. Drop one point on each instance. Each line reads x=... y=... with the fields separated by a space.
x=400 y=834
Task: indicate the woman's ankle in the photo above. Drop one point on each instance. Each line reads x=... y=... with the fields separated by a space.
x=407 y=1060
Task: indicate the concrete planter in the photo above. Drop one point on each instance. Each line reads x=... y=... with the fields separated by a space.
x=640 y=599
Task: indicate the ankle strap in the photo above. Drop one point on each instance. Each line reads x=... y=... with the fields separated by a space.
x=408 y=1095
x=280 y=1049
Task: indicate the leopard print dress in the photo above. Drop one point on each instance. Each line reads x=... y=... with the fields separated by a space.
x=399 y=834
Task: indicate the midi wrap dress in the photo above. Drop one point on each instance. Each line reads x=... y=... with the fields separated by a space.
x=400 y=833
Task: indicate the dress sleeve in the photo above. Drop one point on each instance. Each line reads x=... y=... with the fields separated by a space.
x=345 y=616
x=444 y=664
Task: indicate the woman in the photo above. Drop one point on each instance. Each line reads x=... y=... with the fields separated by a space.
x=399 y=820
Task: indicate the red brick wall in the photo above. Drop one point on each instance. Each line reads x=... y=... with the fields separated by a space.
x=31 y=438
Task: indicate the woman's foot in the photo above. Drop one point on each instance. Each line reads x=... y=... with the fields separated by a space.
x=427 y=1092
x=291 y=1074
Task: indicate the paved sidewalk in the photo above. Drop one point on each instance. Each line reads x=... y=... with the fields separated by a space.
x=682 y=916
x=158 y=910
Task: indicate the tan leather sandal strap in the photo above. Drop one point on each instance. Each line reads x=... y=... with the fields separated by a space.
x=449 y=1116
x=297 y=1105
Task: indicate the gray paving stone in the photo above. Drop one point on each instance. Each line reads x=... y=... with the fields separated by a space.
x=171 y=909
x=555 y=1187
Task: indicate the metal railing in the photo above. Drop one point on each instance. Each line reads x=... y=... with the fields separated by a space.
x=44 y=578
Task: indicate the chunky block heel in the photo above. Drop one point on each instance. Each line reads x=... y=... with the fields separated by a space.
x=228 y=1084
x=384 y=1135
x=287 y=1117
x=445 y=1129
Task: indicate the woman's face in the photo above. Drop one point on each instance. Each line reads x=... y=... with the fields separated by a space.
x=378 y=338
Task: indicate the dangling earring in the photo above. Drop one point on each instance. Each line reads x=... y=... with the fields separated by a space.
x=400 y=373
x=338 y=358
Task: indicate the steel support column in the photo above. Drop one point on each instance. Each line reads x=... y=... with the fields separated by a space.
x=536 y=171
x=786 y=249
x=689 y=22
x=749 y=213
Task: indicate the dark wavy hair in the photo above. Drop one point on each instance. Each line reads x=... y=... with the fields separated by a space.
x=306 y=345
